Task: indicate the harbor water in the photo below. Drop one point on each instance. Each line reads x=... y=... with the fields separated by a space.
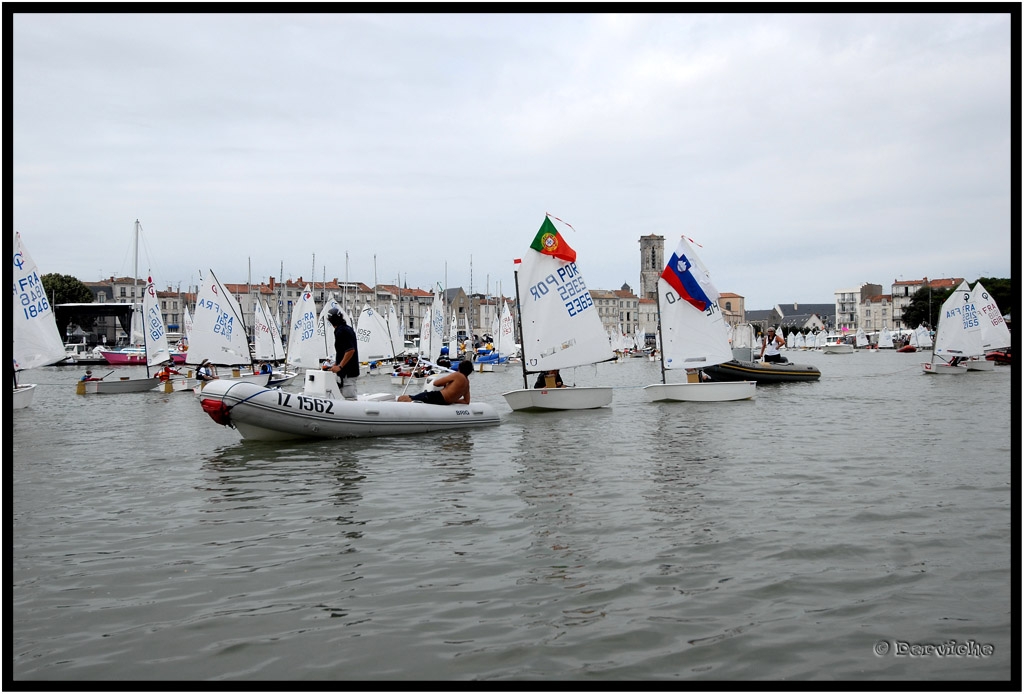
x=854 y=528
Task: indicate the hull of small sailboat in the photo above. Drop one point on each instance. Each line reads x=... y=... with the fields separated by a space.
x=267 y=414
x=23 y=395
x=121 y=385
x=762 y=372
x=539 y=399
x=837 y=349
x=942 y=369
x=177 y=385
x=707 y=391
x=980 y=365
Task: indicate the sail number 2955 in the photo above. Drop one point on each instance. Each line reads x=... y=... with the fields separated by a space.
x=303 y=402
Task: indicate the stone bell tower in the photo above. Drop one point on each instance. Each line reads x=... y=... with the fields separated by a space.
x=652 y=262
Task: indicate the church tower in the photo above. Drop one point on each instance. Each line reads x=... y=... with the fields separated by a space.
x=652 y=262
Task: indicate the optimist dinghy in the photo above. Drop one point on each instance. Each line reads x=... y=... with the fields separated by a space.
x=271 y=414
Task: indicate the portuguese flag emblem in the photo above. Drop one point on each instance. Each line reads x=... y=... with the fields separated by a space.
x=549 y=242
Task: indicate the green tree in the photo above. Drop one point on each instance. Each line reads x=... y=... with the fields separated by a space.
x=924 y=307
x=65 y=289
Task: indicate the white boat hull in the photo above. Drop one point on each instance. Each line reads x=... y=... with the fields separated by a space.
x=837 y=349
x=255 y=379
x=490 y=367
x=267 y=414
x=579 y=398
x=121 y=385
x=707 y=391
x=942 y=369
x=176 y=385
x=23 y=395
x=980 y=365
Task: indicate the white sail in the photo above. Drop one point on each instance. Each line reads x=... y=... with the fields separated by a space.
x=425 y=349
x=506 y=337
x=820 y=339
x=37 y=341
x=453 y=335
x=790 y=339
x=157 y=351
x=432 y=333
x=372 y=336
x=187 y=322
x=694 y=333
x=862 y=338
x=395 y=331
x=921 y=338
x=959 y=329
x=304 y=342
x=266 y=338
x=325 y=331
x=558 y=333
x=218 y=333
x=994 y=333
x=885 y=339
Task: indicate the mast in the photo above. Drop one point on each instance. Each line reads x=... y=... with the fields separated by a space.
x=661 y=336
x=519 y=322
x=344 y=294
x=376 y=296
x=135 y=288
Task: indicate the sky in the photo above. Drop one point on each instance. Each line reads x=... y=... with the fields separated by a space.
x=804 y=153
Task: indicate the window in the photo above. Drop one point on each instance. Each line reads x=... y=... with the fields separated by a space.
x=123 y=292
x=728 y=305
x=654 y=258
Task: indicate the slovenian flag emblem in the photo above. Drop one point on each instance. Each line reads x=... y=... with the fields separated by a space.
x=681 y=273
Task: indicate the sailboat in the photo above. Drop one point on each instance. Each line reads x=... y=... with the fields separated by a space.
x=267 y=343
x=374 y=336
x=218 y=333
x=155 y=351
x=958 y=335
x=862 y=339
x=885 y=339
x=559 y=325
x=995 y=336
x=305 y=346
x=37 y=341
x=693 y=333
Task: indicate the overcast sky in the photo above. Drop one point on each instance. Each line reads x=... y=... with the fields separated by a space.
x=805 y=153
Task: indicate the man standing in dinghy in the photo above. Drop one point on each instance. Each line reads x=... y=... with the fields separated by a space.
x=346 y=353
x=454 y=388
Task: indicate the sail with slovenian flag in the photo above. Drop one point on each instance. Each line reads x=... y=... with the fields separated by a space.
x=686 y=274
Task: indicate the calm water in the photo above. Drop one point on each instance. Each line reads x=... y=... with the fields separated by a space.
x=780 y=538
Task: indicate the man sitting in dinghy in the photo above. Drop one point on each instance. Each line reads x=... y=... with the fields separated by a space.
x=454 y=388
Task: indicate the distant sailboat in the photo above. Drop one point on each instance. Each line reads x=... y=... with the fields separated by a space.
x=37 y=341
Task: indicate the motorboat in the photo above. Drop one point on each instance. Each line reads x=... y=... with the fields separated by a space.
x=272 y=414
x=762 y=372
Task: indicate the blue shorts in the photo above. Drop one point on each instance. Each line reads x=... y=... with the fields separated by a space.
x=431 y=397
